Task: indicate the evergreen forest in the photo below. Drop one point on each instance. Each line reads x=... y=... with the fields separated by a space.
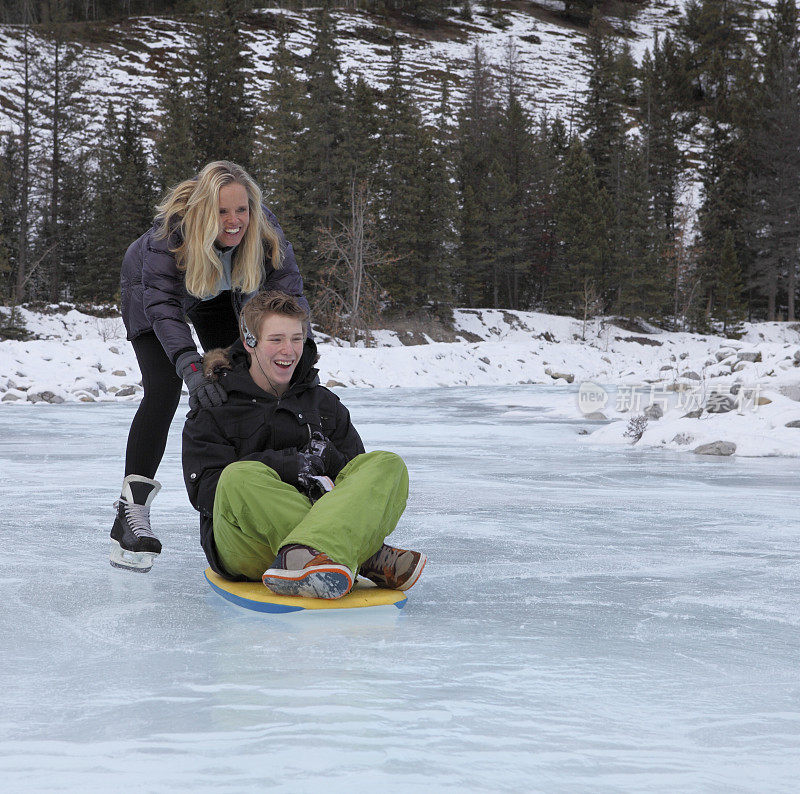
x=671 y=194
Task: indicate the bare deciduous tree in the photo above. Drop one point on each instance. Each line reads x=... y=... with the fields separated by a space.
x=592 y=303
x=681 y=257
x=348 y=296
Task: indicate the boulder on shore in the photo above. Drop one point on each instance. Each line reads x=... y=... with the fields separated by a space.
x=753 y=356
x=721 y=448
x=44 y=396
x=568 y=377
x=717 y=403
x=654 y=411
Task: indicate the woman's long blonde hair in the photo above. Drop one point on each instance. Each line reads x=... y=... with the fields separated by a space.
x=193 y=207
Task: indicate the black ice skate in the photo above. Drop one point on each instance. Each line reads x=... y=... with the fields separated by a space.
x=133 y=544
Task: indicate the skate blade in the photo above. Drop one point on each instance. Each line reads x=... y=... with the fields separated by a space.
x=137 y=561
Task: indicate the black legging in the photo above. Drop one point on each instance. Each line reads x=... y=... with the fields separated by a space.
x=216 y=326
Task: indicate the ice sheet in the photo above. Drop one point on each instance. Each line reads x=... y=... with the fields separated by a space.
x=592 y=619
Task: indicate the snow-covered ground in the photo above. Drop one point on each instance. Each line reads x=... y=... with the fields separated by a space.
x=587 y=623
x=747 y=390
x=131 y=58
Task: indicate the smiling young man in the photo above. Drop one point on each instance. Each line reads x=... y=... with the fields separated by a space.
x=285 y=491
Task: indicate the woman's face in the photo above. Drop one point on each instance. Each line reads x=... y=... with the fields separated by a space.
x=234 y=214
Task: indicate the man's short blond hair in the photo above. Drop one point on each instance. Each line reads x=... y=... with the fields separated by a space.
x=263 y=304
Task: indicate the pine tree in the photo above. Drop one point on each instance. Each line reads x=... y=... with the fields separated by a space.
x=473 y=156
x=62 y=77
x=729 y=308
x=123 y=203
x=640 y=278
x=436 y=235
x=221 y=109
x=550 y=144
x=602 y=121
x=627 y=76
x=579 y=10
x=134 y=178
x=581 y=220
x=775 y=161
x=604 y=139
x=22 y=274
x=660 y=125
x=74 y=219
x=98 y=279
x=725 y=203
x=361 y=147
x=323 y=181
x=717 y=56
x=400 y=191
x=515 y=148
x=9 y=213
x=424 y=11
x=175 y=155
x=498 y=204
x=279 y=160
x=441 y=197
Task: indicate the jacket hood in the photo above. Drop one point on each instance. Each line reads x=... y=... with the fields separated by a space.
x=231 y=367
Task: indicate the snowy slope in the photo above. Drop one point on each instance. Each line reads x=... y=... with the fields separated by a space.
x=130 y=60
x=81 y=358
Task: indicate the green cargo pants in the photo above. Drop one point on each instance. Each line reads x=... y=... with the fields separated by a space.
x=256 y=513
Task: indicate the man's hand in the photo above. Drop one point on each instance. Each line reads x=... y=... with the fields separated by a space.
x=324 y=454
x=309 y=465
x=311 y=479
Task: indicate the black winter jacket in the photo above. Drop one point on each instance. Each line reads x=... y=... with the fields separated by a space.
x=254 y=425
x=154 y=297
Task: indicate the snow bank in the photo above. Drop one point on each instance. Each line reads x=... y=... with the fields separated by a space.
x=768 y=426
x=744 y=391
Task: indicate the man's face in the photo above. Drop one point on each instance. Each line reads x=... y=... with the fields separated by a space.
x=279 y=347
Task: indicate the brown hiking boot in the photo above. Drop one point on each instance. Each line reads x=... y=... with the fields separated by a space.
x=394 y=569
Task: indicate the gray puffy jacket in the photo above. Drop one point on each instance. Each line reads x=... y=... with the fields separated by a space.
x=154 y=297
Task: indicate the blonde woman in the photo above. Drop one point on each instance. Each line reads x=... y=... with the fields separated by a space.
x=212 y=246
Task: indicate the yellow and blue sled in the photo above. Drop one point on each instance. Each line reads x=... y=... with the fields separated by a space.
x=253 y=595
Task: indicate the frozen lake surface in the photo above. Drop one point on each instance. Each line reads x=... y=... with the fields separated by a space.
x=591 y=620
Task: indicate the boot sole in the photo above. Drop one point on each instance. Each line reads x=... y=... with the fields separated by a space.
x=415 y=574
x=322 y=581
x=136 y=561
